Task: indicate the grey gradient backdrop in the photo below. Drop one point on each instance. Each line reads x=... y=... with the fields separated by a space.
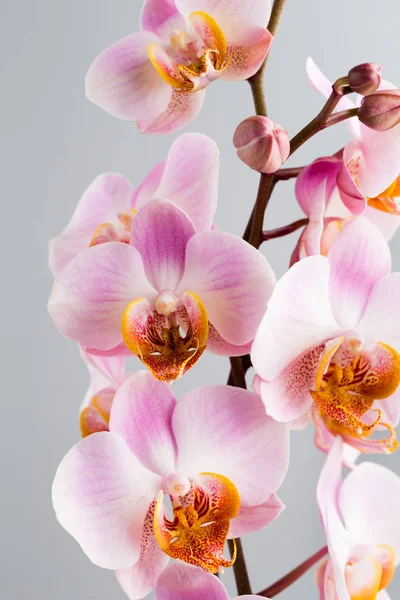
x=53 y=143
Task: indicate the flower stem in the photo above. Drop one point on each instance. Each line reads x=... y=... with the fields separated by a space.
x=285 y=230
x=288 y=173
x=283 y=583
x=239 y=568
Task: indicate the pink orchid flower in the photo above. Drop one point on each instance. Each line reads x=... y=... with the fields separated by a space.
x=106 y=375
x=166 y=295
x=360 y=517
x=215 y=454
x=180 y=581
x=158 y=77
x=188 y=178
x=370 y=168
x=330 y=339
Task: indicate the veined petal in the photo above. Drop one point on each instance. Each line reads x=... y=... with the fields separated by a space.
x=139 y=580
x=381 y=318
x=226 y=429
x=190 y=178
x=181 y=581
x=358 y=259
x=161 y=17
x=181 y=110
x=254 y=518
x=89 y=296
x=233 y=16
x=350 y=193
x=217 y=345
x=101 y=494
x=246 y=57
x=233 y=280
x=375 y=519
x=160 y=232
x=142 y=415
x=147 y=189
x=380 y=160
x=299 y=317
x=123 y=81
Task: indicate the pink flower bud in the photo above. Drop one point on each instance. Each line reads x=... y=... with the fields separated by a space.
x=261 y=144
x=381 y=110
x=365 y=78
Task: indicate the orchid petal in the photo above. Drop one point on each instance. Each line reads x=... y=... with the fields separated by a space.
x=123 y=81
x=218 y=345
x=298 y=318
x=181 y=110
x=381 y=318
x=379 y=163
x=254 y=518
x=375 y=519
x=160 y=232
x=89 y=296
x=358 y=259
x=247 y=56
x=232 y=279
x=142 y=415
x=181 y=581
x=385 y=222
x=101 y=494
x=139 y=580
x=190 y=178
x=161 y=17
x=147 y=189
x=226 y=429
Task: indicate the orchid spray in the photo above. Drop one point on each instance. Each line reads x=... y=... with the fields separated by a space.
x=159 y=489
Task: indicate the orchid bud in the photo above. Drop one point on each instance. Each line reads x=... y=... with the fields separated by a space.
x=380 y=111
x=261 y=144
x=365 y=78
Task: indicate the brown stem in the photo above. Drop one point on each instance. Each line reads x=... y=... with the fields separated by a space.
x=275 y=17
x=238 y=373
x=263 y=195
x=283 y=583
x=239 y=568
x=285 y=230
x=288 y=173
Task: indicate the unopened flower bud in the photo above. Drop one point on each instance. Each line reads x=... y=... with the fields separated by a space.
x=261 y=144
x=365 y=78
x=381 y=110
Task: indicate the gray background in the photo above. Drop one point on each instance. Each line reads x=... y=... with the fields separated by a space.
x=53 y=143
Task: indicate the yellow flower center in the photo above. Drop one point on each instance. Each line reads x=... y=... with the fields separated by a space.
x=367 y=577
x=389 y=200
x=199 y=528
x=347 y=384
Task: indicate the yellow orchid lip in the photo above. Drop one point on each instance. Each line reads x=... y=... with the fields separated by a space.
x=389 y=200
x=180 y=65
x=200 y=526
x=344 y=393
x=157 y=339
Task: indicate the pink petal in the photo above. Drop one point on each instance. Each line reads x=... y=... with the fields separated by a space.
x=181 y=110
x=350 y=194
x=123 y=81
x=101 y=494
x=139 y=580
x=108 y=195
x=322 y=84
x=298 y=317
x=254 y=518
x=181 y=581
x=147 y=189
x=190 y=178
x=161 y=17
x=233 y=280
x=381 y=318
x=380 y=160
x=89 y=296
x=375 y=519
x=390 y=408
x=160 y=233
x=358 y=259
x=233 y=16
x=142 y=415
x=224 y=430
x=105 y=369
x=385 y=222
x=288 y=397
x=308 y=185
x=217 y=345
x=247 y=57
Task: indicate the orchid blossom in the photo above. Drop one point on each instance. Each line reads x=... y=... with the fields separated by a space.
x=215 y=454
x=330 y=338
x=369 y=171
x=106 y=375
x=181 y=581
x=360 y=518
x=188 y=178
x=157 y=77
